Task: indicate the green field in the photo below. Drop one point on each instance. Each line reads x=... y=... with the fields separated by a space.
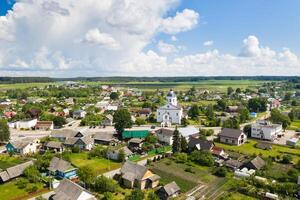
x=235 y=196
x=10 y=191
x=170 y=171
x=250 y=149
x=99 y=165
x=294 y=125
x=214 y=85
x=7 y=161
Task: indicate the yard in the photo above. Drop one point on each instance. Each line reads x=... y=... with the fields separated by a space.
x=11 y=191
x=9 y=161
x=170 y=171
x=250 y=149
x=99 y=165
x=294 y=125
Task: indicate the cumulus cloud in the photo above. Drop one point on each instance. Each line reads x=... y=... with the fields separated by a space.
x=258 y=61
x=100 y=38
x=166 y=48
x=173 y=38
x=182 y=21
x=94 y=36
x=208 y=43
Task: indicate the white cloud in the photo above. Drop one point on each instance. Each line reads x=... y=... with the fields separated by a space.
x=99 y=38
x=166 y=48
x=208 y=43
x=174 y=38
x=182 y=21
x=261 y=61
x=94 y=36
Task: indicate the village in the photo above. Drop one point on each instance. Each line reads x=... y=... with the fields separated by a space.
x=75 y=140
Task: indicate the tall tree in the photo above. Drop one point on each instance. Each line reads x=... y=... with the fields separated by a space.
x=176 y=146
x=184 y=144
x=136 y=195
x=122 y=120
x=194 y=111
x=4 y=131
x=230 y=90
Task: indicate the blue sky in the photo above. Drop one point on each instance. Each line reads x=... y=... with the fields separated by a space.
x=243 y=37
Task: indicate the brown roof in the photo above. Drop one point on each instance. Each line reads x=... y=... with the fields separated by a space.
x=171 y=188
x=258 y=162
x=165 y=131
x=53 y=144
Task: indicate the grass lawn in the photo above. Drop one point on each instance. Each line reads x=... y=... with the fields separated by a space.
x=294 y=125
x=10 y=191
x=236 y=196
x=6 y=161
x=170 y=171
x=99 y=165
x=250 y=149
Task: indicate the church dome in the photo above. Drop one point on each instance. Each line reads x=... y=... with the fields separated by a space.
x=171 y=93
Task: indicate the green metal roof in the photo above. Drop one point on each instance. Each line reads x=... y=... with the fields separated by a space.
x=135 y=134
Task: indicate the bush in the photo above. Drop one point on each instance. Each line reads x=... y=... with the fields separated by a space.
x=286 y=159
x=22 y=183
x=189 y=169
x=32 y=189
x=103 y=184
x=202 y=157
x=221 y=172
x=180 y=157
x=75 y=149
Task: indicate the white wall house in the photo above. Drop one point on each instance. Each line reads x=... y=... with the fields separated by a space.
x=26 y=124
x=165 y=135
x=171 y=113
x=265 y=130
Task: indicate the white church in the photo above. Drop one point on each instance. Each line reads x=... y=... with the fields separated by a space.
x=171 y=113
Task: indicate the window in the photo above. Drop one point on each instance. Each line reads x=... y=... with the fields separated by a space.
x=232 y=141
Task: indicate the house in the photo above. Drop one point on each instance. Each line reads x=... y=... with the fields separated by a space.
x=69 y=101
x=145 y=112
x=44 y=125
x=274 y=104
x=171 y=113
x=102 y=104
x=105 y=138
x=26 y=124
x=108 y=120
x=63 y=134
x=232 y=136
x=112 y=107
x=232 y=109
x=68 y=190
x=113 y=153
x=84 y=143
x=129 y=133
x=34 y=113
x=9 y=114
x=198 y=144
x=264 y=130
x=257 y=163
x=135 y=144
x=61 y=168
x=133 y=175
x=188 y=132
x=219 y=152
x=14 y=172
x=54 y=146
x=23 y=147
x=233 y=164
x=79 y=114
x=165 y=135
x=171 y=190
x=264 y=146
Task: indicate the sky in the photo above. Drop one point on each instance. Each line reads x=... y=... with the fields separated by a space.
x=149 y=38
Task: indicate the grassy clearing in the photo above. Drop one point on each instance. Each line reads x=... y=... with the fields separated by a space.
x=236 y=196
x=24 y=85
x=294 y=125
x=10 y=191
x=250 y=149
x=7 y=161
x=99 y=165
x=170 y=171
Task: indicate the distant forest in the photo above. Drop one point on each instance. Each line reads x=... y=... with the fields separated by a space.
x=10 y=80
